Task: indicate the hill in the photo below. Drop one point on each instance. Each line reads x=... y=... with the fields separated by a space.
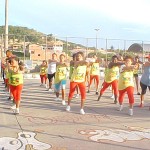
x=17 y=33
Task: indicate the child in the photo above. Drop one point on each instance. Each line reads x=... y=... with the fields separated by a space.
x=94 y=73
x=60 y=78
x=126 y=84
x=111 y=78
x=78 y=79
x=51 y=70
x=16 y=82
x=71 y=71
x=135 y=73
x=43 y=73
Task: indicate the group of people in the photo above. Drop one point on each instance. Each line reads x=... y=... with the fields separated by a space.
x=119 y=75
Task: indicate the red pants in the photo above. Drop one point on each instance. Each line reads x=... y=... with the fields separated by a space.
x=114 y=85
x=96 y=77
x=130 y=92
x=43 y=78
x=6 y=81
x=82 y=89
x=16 y=91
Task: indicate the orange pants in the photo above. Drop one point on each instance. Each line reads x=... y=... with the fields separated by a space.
x=43 y=78
x=16 y=91
x=114 y=87
x=96 y=77
x=82 y=89
x=130 y=92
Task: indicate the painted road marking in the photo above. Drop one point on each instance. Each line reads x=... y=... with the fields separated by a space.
x=24 y=139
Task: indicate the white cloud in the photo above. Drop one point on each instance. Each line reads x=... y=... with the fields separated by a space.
x=130 y=11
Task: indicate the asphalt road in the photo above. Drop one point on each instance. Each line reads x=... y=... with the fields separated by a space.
x=44 y=124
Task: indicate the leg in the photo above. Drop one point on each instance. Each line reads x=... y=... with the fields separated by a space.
x=83 y=93
x=121 y=96
x=91 y=80
x=143 y=92
x=41 y=76
x=50 y=78
x=115 y=89
x=130 y=92
x=105 y=86
x=57 y=88
x=137 y=84
x=97 y=78
x=45 y=78
x=73 y=86
x=63 y=87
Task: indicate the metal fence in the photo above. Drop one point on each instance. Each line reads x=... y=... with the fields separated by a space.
x=70 y=44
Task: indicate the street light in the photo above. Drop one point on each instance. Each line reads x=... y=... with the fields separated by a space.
x=96 y=39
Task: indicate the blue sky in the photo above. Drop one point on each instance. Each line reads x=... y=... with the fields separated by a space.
x=121 y=19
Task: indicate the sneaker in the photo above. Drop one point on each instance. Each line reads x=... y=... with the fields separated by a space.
x=112 y=97
x=96 y=93
x=77 y=96
x=50 y=90
x=120 y=108
x=63 y=102
x=131 y=112
x=17 y=111
x=46 y=86
x=68 y=108
x=41 y=85
x=82 y=111
x=88 y=91
x=57 y=99
x=13 y=107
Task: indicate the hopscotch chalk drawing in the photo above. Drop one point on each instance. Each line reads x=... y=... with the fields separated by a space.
x=117 y=135
x=24 y=138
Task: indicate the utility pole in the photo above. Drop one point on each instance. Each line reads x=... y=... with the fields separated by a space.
x=6 y=26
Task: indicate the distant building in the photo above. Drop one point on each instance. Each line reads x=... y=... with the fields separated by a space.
x=39 y=52
x=56 y=46
x=138 y=48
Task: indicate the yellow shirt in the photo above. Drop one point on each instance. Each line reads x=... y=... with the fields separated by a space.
x=126 y=80
x=60 y=74
x=43 y=70
x=95 y=69
x=111 y=74
x=6 y=73
x=79 y=74
x=16 y=79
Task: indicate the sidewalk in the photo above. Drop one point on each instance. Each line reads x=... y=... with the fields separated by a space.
x=44 y=124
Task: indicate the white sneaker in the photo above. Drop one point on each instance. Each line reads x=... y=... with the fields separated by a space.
x=50 y=90
x=120 y=108
x=13 y=107
x=17 y=111
x=112 y=97
x=57 y=99
x=77 y=96
x=63 y=102
x=131 y=112
x=46 y=86
x=82 y=111
x=68 y=108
